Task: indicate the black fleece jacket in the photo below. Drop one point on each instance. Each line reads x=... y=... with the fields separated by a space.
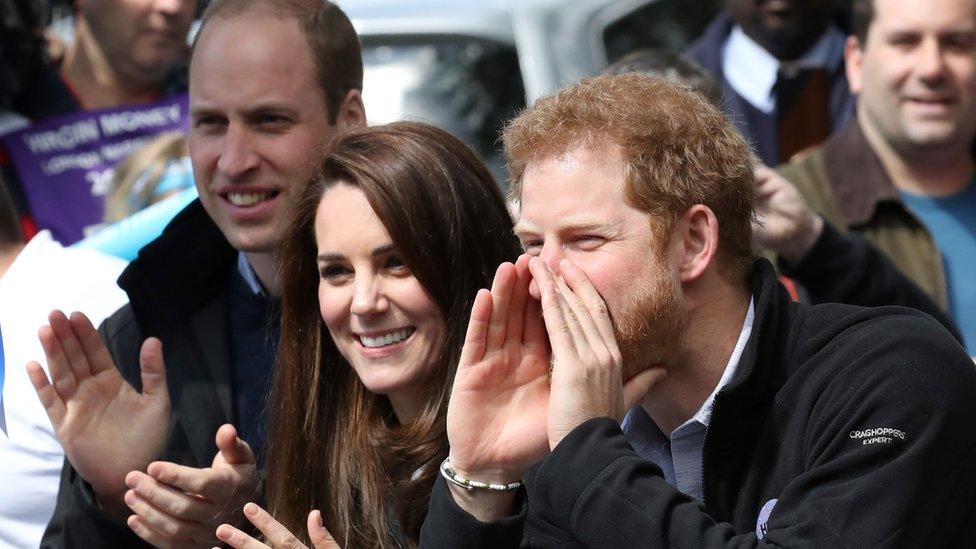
x=843 y=427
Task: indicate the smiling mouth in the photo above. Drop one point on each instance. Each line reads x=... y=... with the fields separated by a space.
x=249 y=199
x=386 y=340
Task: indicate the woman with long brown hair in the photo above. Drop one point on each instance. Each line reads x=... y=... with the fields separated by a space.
x=395 y=235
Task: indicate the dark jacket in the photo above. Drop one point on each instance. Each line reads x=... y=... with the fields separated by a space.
x=843 y=427
x=846 y=268
x=177 y=292
x=759 y=127
x=845 y=182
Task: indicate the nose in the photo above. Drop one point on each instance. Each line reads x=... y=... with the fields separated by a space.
x=551 y=254
x=368 y=297
x=931 y=61
x=173 y=7
x=237 y=156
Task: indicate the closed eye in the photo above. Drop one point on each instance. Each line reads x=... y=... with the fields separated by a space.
x=588 y=241
x=962 y=42
x=532 y=247
x=903 y=40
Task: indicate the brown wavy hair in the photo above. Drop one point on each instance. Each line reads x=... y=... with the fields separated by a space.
x=333 y=445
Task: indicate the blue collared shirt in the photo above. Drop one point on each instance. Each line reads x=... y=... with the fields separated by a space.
x=250 y=277
x=680 y=455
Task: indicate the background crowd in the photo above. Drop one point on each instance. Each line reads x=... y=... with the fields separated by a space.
x=118 y=156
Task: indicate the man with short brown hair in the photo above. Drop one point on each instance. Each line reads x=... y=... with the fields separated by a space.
x=666 y=398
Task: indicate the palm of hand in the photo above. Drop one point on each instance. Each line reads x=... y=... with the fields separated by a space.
x=509 y=386
x=105 y=416
x=106 y=427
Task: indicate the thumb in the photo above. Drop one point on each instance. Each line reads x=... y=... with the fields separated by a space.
x=321 y=538
x=637 y=387
x=153 y=370
x=231 y=447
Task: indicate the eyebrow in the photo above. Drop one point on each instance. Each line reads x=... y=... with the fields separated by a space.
x=908 y=31
x=253 y=110
x=270 y=107
x=382 y=250
x=197 y=112
x=581 y=224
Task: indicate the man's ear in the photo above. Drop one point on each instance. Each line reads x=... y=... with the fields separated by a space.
x=853 y=65
x=352 y=113
x=696 y=234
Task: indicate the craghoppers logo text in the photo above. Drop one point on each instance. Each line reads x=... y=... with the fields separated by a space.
x=878 y=435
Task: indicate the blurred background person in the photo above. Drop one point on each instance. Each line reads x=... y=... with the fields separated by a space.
x=22 y=57
x=781 y=67
x=148 y=189
x=35 y=278
x=22 y=49
x=902 y=173
x=122 y=52
x=150 y=175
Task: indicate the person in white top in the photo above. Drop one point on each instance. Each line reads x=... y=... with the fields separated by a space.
x=34 y=279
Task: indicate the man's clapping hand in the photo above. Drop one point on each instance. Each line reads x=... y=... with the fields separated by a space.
x=106 y=427
x=179 y=506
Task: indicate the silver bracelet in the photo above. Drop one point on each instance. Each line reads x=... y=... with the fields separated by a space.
x=454 y=478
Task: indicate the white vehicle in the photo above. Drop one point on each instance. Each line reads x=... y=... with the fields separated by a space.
x=470 y=66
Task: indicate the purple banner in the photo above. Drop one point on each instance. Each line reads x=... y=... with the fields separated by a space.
x=65 y=163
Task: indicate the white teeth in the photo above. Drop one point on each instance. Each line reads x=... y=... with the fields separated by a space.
x=387 y=339
x=246 y=199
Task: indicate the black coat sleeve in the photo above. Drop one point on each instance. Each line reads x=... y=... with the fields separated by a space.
x=846 y=268
x=913 y=489
x=77 y=519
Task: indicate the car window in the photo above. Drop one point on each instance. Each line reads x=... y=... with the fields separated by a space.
x=467 y=86
x=667 y=24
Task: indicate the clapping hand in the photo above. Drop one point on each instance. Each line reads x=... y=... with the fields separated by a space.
x=179 y=506
x=277 y=536
x=96 y=413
